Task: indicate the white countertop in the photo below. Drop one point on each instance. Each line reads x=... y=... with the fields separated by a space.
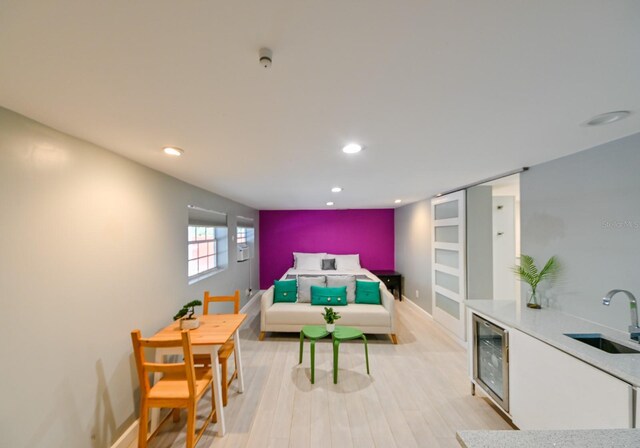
x=549 y=325
x=587 y=438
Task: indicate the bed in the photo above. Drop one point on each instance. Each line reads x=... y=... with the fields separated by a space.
x=291 y=317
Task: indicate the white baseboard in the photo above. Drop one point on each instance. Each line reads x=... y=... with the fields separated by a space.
x=429 y=316
x=253 y=297
x=417 y=307
x=128 y=438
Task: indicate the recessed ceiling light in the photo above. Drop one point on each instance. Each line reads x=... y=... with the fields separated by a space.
x=172 y=151
x=329 y=203
x=336 y=189
x=607 y=118
x=352 y=148
x=397 y=201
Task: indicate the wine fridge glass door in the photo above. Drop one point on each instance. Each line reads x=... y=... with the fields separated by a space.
x=491 y=368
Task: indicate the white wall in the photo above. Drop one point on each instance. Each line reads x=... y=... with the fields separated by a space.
x=92 y=246
x=413 y=250
x=585 y=208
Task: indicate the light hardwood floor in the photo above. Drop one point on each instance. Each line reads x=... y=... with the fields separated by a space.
x=418 y=394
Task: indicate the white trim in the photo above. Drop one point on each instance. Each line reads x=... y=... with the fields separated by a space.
x=446 y=246
x=447 y=269
x=445 y=222
x=448 y=293
x=205 y=274
x=128 y=438
x=416 y=306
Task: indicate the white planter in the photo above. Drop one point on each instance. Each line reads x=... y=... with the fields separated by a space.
x=189 y=324
x=331 y=327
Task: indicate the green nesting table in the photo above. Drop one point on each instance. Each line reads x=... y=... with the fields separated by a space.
x=344 y=334
x=315 y=332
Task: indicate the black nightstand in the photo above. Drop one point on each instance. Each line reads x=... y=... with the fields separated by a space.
x=392 y=279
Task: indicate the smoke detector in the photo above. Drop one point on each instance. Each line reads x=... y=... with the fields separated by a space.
x=265 y=57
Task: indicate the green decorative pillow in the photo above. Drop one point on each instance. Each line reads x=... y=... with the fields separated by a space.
x=368 y=292
x=285 y=291
x=321 y=295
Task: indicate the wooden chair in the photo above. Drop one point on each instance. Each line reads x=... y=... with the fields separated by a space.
x=227 y=349
x=181 y=386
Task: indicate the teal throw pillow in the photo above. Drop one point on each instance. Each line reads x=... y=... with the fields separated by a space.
x=321 y=295
x=368 y=292
x=285 y=291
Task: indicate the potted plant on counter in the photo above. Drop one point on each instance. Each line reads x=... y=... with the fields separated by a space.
x=189 y=322
x=330 y=317
x=528 y=272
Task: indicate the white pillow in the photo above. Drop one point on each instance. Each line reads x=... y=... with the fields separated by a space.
x=308 y=262
x=346 y=262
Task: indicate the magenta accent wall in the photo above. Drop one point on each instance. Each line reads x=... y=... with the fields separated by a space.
x=368 y=232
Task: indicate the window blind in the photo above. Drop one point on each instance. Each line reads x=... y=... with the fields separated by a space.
x=203 y=217
x=247 y=223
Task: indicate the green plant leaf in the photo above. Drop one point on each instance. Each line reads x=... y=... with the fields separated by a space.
x=528 y=272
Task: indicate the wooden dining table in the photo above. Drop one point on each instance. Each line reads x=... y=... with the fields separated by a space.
x=213 y=332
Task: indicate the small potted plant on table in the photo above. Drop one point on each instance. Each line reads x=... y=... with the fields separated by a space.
x=189 y=322
x=330 y=317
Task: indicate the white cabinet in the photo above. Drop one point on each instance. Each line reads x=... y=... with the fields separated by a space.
x=550 y=389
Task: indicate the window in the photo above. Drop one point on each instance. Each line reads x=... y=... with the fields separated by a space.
x=244 y=238
x=203 y=249
x=207 y=245
x=241 y=236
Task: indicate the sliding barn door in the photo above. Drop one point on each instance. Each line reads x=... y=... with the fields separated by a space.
x=448 y=275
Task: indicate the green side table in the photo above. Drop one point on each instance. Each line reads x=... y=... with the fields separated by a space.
x=313 y=333
x=344 y=334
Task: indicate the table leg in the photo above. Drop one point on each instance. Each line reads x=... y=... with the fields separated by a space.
x=366 y=352
x=336 y=350
x=313 y=361
x=301 y=346
x=238 y=356
x=217 y=388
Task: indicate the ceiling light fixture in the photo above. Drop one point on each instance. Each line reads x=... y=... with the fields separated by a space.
x=172 y=151
x=329 y=203
x=606 y=118
x=352 y=148
x=336 y=189
x=397 y=201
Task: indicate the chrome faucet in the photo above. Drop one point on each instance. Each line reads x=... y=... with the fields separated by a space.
x=634 y=330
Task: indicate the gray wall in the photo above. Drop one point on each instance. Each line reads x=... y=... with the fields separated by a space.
x=585 y=208
x=92 y=246
x=479 y=242
x=413 y=250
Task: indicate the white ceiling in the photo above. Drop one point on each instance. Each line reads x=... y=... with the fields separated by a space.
x=441 y=93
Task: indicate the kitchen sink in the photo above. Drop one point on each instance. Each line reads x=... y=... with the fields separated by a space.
x=600 y=342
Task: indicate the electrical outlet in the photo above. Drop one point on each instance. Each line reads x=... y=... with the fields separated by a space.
x=417 y=294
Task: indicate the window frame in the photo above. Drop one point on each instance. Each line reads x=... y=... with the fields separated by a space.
x=213 y=239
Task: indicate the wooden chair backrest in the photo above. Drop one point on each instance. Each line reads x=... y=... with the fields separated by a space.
x=145 y=367
x=235 y=298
